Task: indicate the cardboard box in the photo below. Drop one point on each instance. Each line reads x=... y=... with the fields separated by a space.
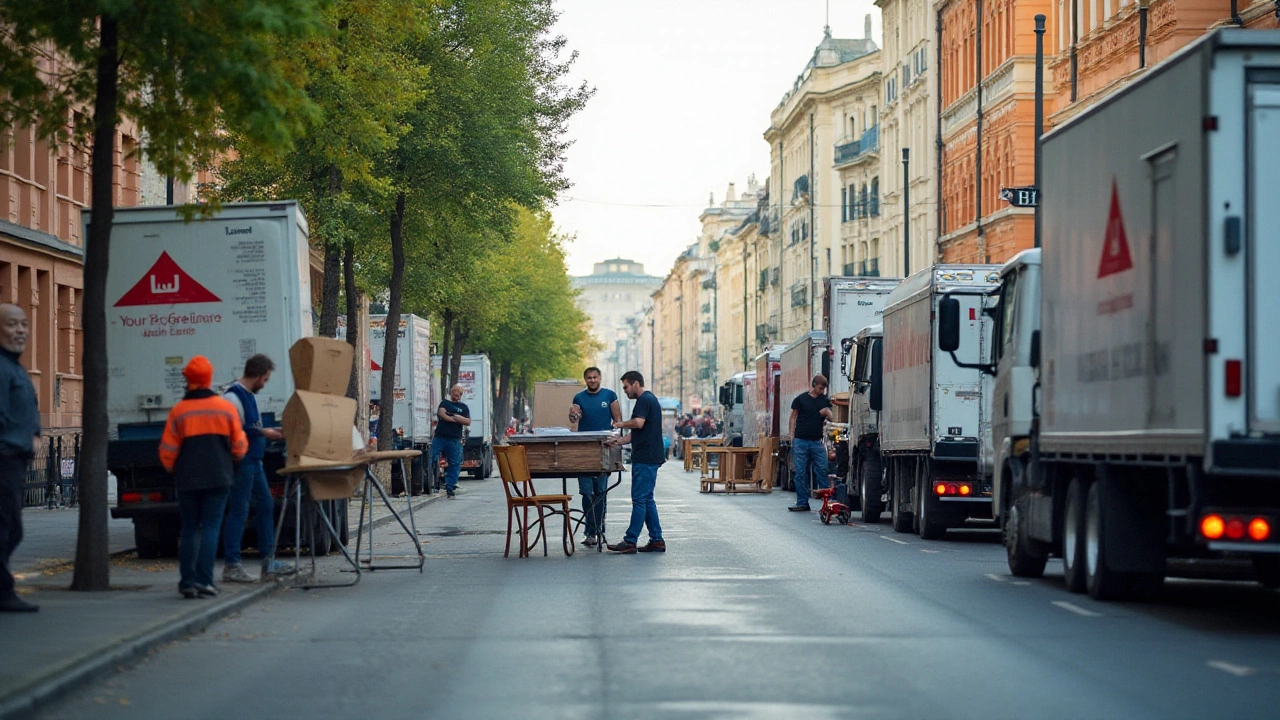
x=321 y=365
x=334 y=484
x=551 y=401
x=319 y=426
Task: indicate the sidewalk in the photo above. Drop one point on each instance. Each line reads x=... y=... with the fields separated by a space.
x=79 y=636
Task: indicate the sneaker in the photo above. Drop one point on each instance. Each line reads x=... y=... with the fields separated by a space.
x=275 y=568
x=448 y=492
x=590 y=541
x=15 y=604
x=209 y=591
x=188 y=591
x=236 y=574
x=653 y=546
x=623 y=548
x=798 y=508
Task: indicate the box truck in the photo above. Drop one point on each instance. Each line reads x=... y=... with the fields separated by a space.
x=932 y=411
x=732 y=403
x=800 y=361
x=865 y=481
x=227 y=286
x=415 y=394
x=475 y=375
x=1147 y=326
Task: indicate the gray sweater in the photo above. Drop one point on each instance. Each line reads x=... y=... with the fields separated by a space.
x=19 y=414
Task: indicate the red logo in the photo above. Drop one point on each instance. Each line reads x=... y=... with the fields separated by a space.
x=375 y=367
x=166 y=284
x=1115 y=248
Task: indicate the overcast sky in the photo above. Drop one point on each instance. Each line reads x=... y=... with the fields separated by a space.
x=684 y=89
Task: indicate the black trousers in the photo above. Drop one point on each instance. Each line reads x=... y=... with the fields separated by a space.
x=13 y=475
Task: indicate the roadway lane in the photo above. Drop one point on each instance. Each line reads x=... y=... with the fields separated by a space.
x=753 y=612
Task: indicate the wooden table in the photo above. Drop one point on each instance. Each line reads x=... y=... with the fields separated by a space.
x=733 y=469
x=565 y=455
x=693 y=447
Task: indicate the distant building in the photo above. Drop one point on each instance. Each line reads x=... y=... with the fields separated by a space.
x=615 y=296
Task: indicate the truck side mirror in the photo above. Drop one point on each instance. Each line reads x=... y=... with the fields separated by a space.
x=1035 y=349
x=876 y=399
x=948 y=324
x=826 y=364
x=724 y=395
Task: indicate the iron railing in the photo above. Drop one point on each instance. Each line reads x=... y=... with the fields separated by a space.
x=53 y=477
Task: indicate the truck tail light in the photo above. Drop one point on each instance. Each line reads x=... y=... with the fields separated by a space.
x=155 y=497
x=940 y=489
x=965 y=489
x=1232 y=372
x=131 y=497
x=1212 y=526
x=1235 y=528
x=1259 y=529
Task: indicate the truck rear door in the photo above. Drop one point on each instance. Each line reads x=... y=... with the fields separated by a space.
x=1263 y=253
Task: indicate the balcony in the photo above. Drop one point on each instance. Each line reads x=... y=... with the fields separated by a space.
x=773 y=277
x=850 y=269
x=708 y=327
x=869 y=268
x=704 y=374
x=800 y=188
x=860 y=148
x=705 y=308
x=765 y=332
x=799 y=296
x=709 y=284
x=764 y=279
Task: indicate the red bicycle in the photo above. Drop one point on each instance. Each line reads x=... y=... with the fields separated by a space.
x=830 y=508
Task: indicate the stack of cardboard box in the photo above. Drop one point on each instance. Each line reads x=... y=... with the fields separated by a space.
x=319 y=419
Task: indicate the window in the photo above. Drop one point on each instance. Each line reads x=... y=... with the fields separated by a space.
x=844 y=205
x=1008 y=312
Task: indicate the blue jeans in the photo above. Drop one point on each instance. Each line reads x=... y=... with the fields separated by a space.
x=201 y=512
x=808 y=454
x=594 y=500
x=452 y=449
x=644 y=511
x=251 y=484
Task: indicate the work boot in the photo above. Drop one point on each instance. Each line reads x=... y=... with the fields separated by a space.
x=236 y=574
x=653 y=546
x=798 y=508
x=15 y=604
x=623 y=548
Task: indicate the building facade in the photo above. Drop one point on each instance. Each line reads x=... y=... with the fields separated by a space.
x=615 y=296
x=827 y=104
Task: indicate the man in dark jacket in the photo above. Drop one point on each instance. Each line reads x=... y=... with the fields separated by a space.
x=202 y=443
x=19 y=426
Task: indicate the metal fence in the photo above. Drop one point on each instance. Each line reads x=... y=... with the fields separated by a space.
x=54 y=474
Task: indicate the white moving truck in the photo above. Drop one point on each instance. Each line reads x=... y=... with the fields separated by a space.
x=933 y=415
x=1149 y=321
x=415 y=393
x=809 y=355
x=733 y=402
x=475 y=375
x=226 y=287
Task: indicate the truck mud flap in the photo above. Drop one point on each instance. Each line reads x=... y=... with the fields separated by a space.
x=1133 y=520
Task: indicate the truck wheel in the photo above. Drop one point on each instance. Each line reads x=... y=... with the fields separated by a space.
x=417 y=475
x=320 y=539
x=1267 y=568
x=870 y=490
x=1024 y=561
x=146 y=538
x=343 y=521
x=901 y=518
x=929 y=526
x=1073 y=537
x=1102 y=582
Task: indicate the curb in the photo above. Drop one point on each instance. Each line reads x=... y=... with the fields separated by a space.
x=26 y=703
x=96 y=665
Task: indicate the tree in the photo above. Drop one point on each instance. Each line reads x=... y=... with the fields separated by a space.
x=185 y=72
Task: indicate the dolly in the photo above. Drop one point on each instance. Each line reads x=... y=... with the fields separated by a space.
x=830 y=508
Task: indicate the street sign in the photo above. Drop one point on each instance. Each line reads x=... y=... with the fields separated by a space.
x=1021 y=196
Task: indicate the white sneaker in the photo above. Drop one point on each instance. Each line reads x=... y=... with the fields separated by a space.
x=236 y=574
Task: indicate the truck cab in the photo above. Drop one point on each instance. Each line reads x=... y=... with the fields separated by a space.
x=866 y=474
x=732 y=400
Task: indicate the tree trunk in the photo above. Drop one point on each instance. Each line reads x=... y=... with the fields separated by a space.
x=502 y=408
x=460 y=334
x=386 y=420
x=353 y=317
x=446 y=357
x=92 y=571
x=332 y=269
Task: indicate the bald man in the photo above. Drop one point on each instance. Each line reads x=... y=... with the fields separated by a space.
x=19 y=428
x=453 y=415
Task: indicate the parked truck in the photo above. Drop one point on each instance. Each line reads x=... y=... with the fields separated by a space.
x=865 y=484
x=1147 y=326
x=415 y=393
x=732 y=404
x=804 y=358
x=932 y=412
x=227 y=287
x=475 y=375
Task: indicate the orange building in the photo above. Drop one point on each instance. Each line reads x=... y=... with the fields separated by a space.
x=986 y=128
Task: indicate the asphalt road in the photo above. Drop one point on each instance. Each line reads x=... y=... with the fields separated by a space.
x=753 y=612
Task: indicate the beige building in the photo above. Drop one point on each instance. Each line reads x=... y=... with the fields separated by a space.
x=615 y=296
x=908 y=121
x=831 y=102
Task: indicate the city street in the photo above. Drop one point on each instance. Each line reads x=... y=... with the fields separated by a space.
x=753 y=612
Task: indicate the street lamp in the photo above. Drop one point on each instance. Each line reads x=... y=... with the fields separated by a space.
x=906 y=212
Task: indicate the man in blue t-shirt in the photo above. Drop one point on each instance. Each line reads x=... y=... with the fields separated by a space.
x=453 y=415
x=647 y=456
x=594 y=409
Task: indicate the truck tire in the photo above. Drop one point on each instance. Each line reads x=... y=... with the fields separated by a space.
x=1024 y=560
x=417 y=475
x=928 y=526
x=1073 y=536
x=1102 y=582
x=342 y=523
x=153 y=538
x=870 y=490
x=320 y=538
x=901 y=518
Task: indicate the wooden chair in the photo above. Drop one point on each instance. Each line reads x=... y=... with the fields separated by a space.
x=521 y=496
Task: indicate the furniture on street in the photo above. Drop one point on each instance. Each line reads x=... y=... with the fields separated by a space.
x=517 y=482
x=572 y=454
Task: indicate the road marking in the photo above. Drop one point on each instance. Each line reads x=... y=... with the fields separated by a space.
x=893 y=540
x=1072 y=607
x=931 y=552
x=997 y=578
x=1226 y=667
x=1020 y=582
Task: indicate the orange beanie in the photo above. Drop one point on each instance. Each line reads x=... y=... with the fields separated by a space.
x=199 y=372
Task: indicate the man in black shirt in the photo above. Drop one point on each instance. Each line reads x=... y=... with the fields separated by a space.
x=19 y=427
x=808 y=413
x=647 y=456
x=454 y=415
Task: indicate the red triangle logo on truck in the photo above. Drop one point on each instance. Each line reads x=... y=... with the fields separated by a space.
x=1115 y=248
x=166 y=284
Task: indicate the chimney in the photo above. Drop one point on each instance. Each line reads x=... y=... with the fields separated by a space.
x=867 y=27
x=731 y=195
